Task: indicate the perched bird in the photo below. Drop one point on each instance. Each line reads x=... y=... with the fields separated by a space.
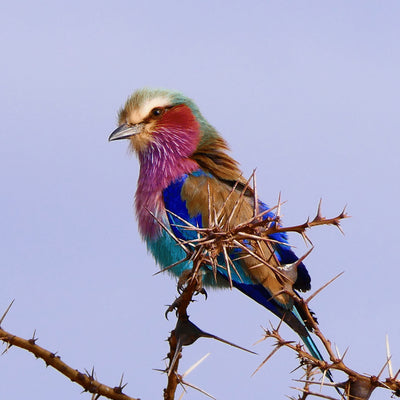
x=185 y=167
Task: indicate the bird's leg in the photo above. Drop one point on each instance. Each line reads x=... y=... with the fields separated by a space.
x=188 y=276
x=183 y=280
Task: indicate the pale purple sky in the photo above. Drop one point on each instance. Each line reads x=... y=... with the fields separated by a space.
x=306 y=92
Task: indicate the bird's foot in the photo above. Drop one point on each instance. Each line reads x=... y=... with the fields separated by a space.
x=173 y=307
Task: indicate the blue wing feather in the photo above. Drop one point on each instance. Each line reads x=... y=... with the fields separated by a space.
x=177 y=207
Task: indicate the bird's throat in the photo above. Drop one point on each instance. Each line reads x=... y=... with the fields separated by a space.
x=166 y=158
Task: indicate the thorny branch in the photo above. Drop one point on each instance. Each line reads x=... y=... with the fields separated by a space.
x=185 y=332
x=357 y=387
x=180 y=305
x=86 y=380
x=220 y=238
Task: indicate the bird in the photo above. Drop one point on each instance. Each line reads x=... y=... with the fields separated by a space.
x=185 y=166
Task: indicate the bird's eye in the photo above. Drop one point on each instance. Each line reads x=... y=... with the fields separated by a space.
x=157 y=111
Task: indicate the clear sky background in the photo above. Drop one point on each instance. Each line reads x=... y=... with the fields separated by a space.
x=306 y=92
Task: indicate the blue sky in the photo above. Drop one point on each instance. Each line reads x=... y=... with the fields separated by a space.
x=306 y=92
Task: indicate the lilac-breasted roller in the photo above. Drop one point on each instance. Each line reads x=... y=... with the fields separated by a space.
x=184 y=163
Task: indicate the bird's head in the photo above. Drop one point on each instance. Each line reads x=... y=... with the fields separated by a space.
x=162 y=118
x=165 y=127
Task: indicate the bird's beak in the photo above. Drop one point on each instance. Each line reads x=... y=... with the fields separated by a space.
x=126 y=131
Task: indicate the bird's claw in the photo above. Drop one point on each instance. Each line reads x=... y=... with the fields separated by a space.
x=173 y=306
x=177 y=302
x=203 y=292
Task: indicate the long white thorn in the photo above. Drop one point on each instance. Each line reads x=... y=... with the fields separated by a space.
x=233 y=190
x=228 y=267
x=389 y=357
x=195 y=365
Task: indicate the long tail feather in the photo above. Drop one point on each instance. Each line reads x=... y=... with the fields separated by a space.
x=292 y=318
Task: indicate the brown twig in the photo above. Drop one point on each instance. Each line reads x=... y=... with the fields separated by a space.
x=357 y=387
x=185 y=332
x=180 y=305
x=85 y=380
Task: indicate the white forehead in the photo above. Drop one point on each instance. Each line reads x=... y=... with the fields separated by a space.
x=140 y=112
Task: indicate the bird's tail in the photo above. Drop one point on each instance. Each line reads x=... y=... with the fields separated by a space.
x=291 y=317
x=305 y=337
x=313 y=349
x=310 y=344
